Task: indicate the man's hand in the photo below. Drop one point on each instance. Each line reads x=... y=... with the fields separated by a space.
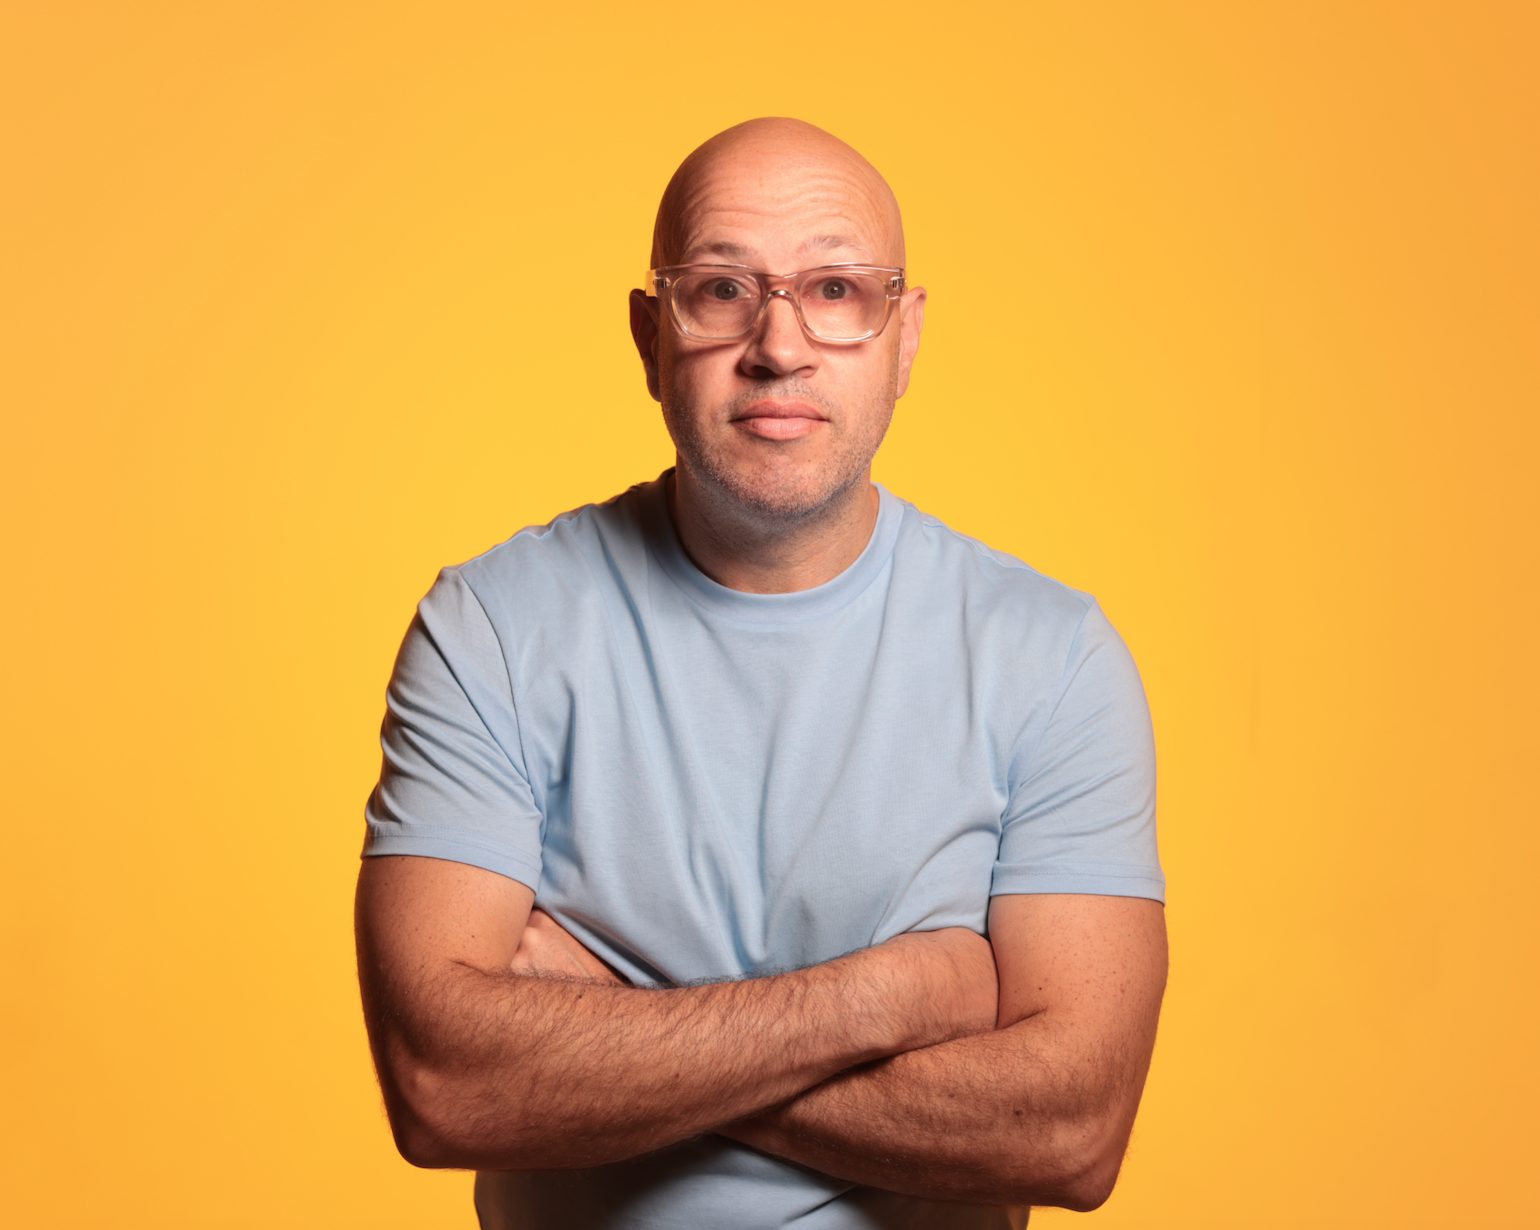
x=548 y=949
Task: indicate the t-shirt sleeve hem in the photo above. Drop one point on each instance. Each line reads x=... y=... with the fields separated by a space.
x=503 y=862
x=1105 y=879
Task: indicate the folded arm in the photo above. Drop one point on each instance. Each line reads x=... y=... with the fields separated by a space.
x=488 y=1065
x=1038 y=1111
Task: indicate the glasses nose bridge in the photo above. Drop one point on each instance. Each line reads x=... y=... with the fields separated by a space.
x=780 y=292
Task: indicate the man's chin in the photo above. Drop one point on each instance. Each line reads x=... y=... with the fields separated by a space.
x=783 y=502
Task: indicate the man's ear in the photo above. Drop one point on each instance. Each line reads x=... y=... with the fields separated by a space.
x=911 y=316
x=644 y=331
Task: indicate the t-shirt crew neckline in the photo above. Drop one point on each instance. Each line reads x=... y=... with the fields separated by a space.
x=795 y=607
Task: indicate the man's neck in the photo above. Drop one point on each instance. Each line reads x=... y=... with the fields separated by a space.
x=759 y=560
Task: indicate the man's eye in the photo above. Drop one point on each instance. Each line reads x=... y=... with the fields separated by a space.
x=725 y=289
x=834 y=288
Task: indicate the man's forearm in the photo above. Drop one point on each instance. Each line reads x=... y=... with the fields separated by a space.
x=989 y=1119
x=517 y=1073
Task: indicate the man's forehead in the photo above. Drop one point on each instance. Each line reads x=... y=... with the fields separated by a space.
x=777 y=181
x=834 y=244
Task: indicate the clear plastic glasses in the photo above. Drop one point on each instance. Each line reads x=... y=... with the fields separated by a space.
x=833 y=303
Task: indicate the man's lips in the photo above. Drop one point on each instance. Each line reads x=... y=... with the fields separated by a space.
x=780 y=410
x=779 y=420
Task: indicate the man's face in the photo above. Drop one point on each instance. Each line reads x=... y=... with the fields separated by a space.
x=726 y=405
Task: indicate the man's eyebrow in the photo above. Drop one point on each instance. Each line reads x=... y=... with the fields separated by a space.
x=829 y=241
x=720 y=247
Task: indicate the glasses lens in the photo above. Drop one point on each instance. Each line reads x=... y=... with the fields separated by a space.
x=715 y=304
x=842 y=304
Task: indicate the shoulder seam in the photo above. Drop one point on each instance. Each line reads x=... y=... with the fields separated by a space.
x=522 y=767
x=1009 y=563
x=1061 y=690
x=540 y=529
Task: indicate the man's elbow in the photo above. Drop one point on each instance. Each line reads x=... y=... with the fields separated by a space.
x=1081 y=1175
x=418 y=1144
x=1089 y=1189
x=431 y=1120
x=413 y=1097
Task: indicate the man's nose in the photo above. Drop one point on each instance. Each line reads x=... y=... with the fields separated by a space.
x=778 y=346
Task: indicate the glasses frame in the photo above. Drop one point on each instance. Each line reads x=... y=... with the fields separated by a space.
x=660 y=282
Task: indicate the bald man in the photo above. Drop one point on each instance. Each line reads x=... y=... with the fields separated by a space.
x=751 y=849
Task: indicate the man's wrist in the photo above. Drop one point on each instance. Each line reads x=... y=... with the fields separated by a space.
x=943 y=985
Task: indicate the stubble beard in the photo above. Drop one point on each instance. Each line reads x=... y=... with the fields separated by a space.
x=774 y=491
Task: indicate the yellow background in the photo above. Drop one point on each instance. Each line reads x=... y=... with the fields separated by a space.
x=1232 y=323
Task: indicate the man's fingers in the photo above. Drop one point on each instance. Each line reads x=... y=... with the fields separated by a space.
x=548 y=947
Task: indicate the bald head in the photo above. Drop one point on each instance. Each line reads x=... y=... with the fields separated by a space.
x=777 y=167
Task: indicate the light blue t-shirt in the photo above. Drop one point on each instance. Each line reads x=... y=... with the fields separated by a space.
x=706 y=784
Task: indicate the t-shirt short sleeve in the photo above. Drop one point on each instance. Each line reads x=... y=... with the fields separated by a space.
x=1081 y=812
x=452 y=783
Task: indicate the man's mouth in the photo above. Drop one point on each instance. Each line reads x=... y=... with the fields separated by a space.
x=779 y=420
